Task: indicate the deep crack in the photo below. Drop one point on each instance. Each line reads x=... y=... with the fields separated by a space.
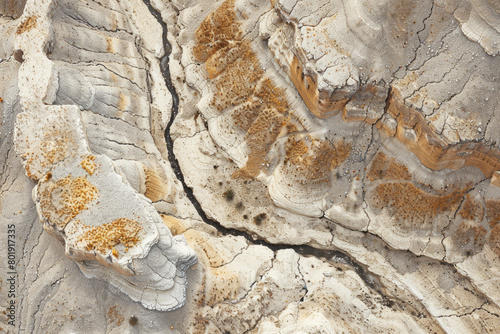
x=329 y=255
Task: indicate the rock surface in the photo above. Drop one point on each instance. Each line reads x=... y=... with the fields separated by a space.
x=333 y=165
x=113 y=233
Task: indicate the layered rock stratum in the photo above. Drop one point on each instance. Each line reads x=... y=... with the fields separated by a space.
x=331 y=166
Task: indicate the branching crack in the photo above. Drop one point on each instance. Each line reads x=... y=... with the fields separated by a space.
x=467 y=313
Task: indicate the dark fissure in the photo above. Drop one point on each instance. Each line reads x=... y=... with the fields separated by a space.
x=329 y=255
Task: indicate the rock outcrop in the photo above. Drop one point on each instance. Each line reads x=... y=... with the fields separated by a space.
x=333 y=165
x=113 y=232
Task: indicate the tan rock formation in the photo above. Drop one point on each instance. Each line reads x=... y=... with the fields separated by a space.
x=80 y=198
x=332 y=164
x=367 y=149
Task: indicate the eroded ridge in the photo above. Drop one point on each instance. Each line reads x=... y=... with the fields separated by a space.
x=374 y=103
x=111 y=230
x=422 y=194
x=410 y=128
x=354 y=148
x=259 y=109
x=332 y=84
x=249 y=108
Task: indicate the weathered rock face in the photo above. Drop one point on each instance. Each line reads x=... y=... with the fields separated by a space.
x=113 y=232
x=333 y=166
x=365 y=117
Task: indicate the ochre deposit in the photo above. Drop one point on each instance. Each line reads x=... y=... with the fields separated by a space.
x=63 y=200
x=104 y=237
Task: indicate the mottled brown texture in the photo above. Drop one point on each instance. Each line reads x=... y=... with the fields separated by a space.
x=260 y=108
x=53 y=146
x=469 y=238
x=104 y=237
x=217 y=31
x=407 y=202
x=471 y=210
x=383 y=168
x=28 y=24
x=63 y=200
x=238 y=82
x=494 y=239
x=493 y=212
x=115 y=315
x=315 y=159
x=89 y=165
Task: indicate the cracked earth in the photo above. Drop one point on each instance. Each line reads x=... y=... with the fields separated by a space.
x=331 y=166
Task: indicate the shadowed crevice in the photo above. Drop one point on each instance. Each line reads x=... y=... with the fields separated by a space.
x=332 y=256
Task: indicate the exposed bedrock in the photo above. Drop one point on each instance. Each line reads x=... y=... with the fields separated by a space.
x=93 y=81
x=303 y=119
x=332 y=166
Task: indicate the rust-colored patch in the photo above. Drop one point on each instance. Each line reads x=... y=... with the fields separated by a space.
x=493 y=212
x=63 y=200
x=238 y=82
x=27 y=25
x=272 y=96
x=315 y=159
x=246 y=113
x=115 y=314
x=471 y=210
x=104 y=237
x=321 y=105
x=217 y=31
x=110 y=45
x=295 y=150
x=89 y=165
x=239 y=79
x=494 y=239
x=219 y=61
x=388 y=169
x=407 y=202
x=123 y=102
x=47 y=177
x=55 y=145
x=260 y=137
x=342 y=152
x=291 y=128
